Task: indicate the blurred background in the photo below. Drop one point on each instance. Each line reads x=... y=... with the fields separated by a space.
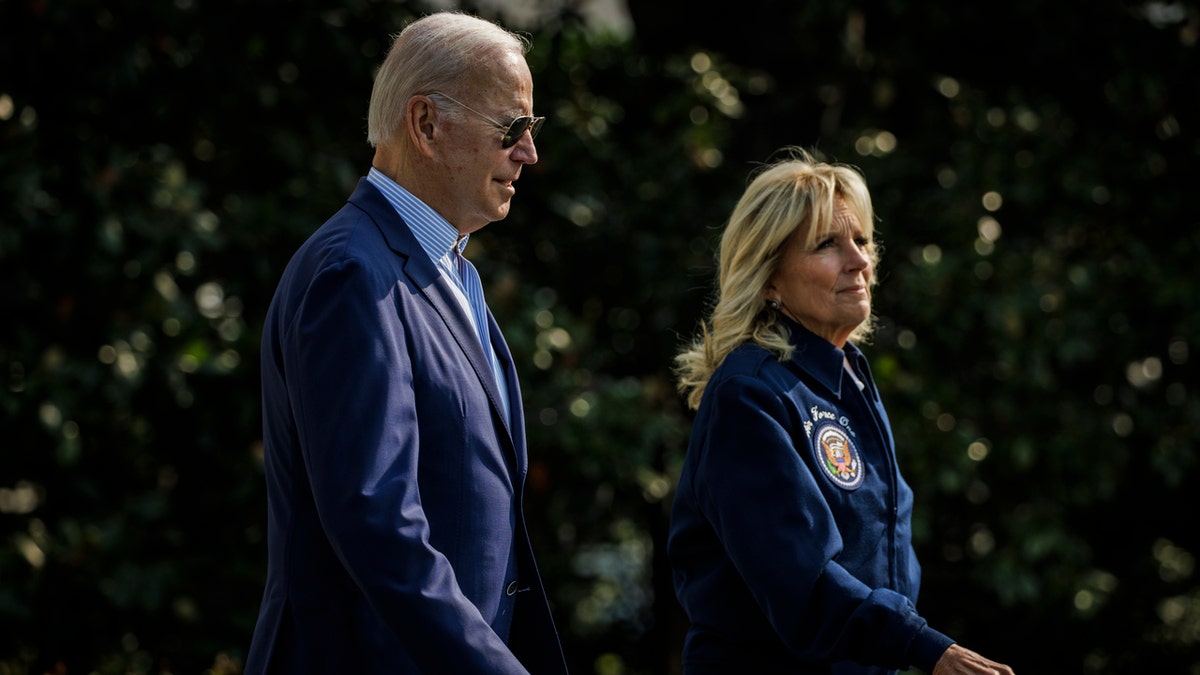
x=1032 y=165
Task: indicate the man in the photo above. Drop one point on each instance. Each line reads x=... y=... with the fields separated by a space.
x=393 y=434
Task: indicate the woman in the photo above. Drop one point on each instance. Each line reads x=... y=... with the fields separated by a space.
x=790 y=536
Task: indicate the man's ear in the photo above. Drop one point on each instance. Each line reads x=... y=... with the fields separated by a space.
x=420 y=123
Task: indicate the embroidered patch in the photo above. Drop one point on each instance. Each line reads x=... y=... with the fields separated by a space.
x=837 y=456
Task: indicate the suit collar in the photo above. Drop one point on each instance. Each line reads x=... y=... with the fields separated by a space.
x=425 y=276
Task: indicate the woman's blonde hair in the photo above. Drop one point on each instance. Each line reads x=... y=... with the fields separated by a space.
x=783 y=196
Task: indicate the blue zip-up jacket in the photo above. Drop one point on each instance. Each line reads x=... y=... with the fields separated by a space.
x=790 y=537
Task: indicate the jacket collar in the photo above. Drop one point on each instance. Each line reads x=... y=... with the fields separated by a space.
x=822 y=360
x=425 y=276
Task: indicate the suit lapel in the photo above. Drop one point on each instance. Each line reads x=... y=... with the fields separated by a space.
x=425 y=276
x=438 y=291
x=516 y=408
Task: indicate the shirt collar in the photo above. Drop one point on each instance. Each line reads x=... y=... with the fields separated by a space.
x=820 y=358
x=434 y=233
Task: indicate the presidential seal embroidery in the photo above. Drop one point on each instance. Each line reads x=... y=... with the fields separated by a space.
x=837 y=456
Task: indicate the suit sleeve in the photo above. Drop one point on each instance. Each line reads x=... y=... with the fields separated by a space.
x=769 y=513
x=350 y=379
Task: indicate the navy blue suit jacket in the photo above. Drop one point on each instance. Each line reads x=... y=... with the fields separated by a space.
x=396 y=539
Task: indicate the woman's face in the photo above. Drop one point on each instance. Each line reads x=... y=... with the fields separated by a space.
x=827 y=287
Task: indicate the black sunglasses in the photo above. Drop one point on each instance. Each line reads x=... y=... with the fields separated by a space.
x=512 y=131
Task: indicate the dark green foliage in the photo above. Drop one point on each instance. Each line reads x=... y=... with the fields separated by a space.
x=1032 y=172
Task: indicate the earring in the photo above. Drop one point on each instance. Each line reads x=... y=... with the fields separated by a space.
x=773 y=304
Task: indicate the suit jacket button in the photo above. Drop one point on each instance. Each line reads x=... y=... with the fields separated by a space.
x=512 y=588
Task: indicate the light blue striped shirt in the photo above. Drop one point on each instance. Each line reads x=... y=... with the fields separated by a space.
x=444 y=246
